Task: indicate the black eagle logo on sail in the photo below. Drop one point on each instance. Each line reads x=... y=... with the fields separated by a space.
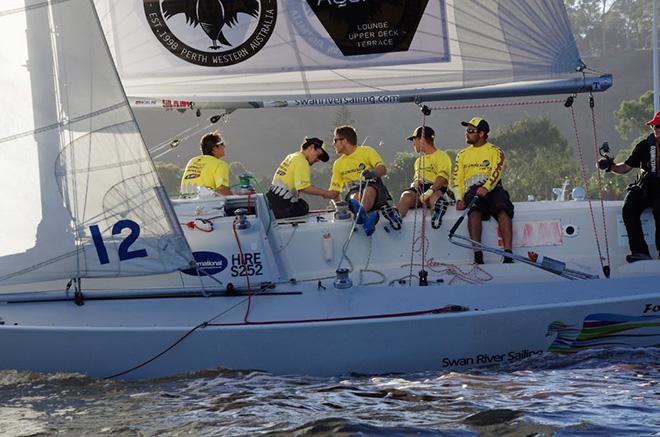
x=211 y=15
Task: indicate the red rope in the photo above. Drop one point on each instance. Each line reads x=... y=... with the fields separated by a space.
x=601 y=191
x=586 y=184
x=498 y=104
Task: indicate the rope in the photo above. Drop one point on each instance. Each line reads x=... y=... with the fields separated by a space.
x=352 y=230
x=366 y=269
x=247 y=276
x=584 y=178
x=498 y=104
x=601 y=191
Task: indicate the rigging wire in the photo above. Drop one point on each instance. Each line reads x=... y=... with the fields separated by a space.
x=583 y=172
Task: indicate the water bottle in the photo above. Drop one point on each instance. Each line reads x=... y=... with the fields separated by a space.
x=244 y=186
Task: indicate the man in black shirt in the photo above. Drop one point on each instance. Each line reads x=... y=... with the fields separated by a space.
x=644 y=193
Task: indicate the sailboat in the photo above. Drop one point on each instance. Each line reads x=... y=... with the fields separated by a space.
x=102 y=274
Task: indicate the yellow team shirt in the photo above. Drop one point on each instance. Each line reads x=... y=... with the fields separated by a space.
x=207 y=171
x=349 y=168
x=291 y=176
x=480 y=166
x=429 y=167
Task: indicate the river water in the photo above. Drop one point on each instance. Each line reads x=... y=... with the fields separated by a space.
x=607 y=393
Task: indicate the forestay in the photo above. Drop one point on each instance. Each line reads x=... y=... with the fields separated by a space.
x=80 y=193
x=317 y=52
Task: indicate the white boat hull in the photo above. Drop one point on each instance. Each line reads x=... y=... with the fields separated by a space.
x=368 y=330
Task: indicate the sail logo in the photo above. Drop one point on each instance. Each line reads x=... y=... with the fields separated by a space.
x=212 y=33
x=369 y=27
x=208 y=264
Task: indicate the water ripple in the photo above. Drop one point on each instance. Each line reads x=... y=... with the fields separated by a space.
x=589 y=393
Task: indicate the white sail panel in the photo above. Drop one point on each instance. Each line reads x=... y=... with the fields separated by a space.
x=324 y=49
x=82 y=193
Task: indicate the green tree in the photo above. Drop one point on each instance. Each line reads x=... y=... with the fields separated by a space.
x=170 y=177
x=632 y=116
x=400 y=173
x=538 y=159
x=599 y=25
x=343 y=116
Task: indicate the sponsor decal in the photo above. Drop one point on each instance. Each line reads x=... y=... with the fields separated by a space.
x=210 y=263
x=486 y=359
x=604 y=330
x=250 y=265
x=142 y=102
x=212 y=33
x=651 y=308
x=176 y=104
x=367 y=27
x=358 y=100
x=300 y=14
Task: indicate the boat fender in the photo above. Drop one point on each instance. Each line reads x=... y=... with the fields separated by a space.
x=327 y=246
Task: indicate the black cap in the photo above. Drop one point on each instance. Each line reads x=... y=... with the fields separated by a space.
x=319 y=145
x=477 y=122
x=422 y=131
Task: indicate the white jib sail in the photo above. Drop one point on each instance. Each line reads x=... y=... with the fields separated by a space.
x=279 y=51
x=80 y=194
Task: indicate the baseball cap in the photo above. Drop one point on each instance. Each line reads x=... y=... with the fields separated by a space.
x=655 y=121
x=477 y=122
x=422 y=131
x=319 y=145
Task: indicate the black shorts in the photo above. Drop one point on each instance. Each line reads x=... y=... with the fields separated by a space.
x=382 y=194
x=285 y=208
x=417 y=191
x=497 y=200
x=425 y=187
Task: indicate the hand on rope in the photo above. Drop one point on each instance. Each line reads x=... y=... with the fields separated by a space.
x=369 y=174
x=426 y=195
x=605 y=163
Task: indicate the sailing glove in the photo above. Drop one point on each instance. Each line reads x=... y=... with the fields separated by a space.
x=605 y=163
x=369 y=174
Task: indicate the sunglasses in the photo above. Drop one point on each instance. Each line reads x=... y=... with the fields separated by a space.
x=471 y=131
x=334 y=140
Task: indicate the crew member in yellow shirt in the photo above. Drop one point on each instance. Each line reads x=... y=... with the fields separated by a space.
x=360 y=168
x=431 y=178
x=208 y=169
x=293 y=176
x=478 y=172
